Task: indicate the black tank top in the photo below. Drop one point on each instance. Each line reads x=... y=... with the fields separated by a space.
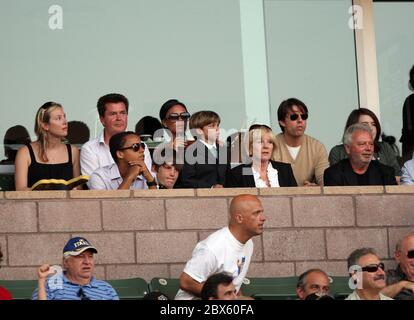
x=38 y=171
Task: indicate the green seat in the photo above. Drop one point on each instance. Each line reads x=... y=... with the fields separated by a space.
x=340 y=287
x=20 y=289
x=130 y=289
x=166 y=286
x=282 y=288
x=7 y=182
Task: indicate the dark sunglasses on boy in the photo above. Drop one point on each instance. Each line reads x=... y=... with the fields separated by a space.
x=295 y=116
x=373 y=267
x=135 y=147
x=182 y=116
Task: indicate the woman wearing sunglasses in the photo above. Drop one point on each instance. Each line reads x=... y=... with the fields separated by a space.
x=383 y=152
x=129 y=170
x=262 y=172
x=174 y=117
x=49 y=157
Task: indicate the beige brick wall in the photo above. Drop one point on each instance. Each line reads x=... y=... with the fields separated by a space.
x=149 y=233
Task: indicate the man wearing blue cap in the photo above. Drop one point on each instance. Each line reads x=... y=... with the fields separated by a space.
x=77 y=281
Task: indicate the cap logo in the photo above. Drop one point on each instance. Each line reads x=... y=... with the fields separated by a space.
x=81 y=242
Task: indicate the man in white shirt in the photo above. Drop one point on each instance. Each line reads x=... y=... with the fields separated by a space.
x=368 y=275
x=227 y=250
x=113 y=114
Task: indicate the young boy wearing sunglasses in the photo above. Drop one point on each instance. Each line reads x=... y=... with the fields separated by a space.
x=129 y=170
x=368 y=275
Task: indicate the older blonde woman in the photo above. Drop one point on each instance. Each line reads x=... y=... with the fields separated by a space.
x=261 y=172
x=48 y=157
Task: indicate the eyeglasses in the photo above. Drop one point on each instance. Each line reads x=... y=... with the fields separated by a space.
x=295 y=116
x=135 y=147
x=373 y=267
x=175 y=116
x=82 y=295
x=410 y=254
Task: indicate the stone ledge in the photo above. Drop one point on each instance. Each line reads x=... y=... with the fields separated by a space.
x=96 y=194
x=46 y=194
x=163 y=193
x=288 y=191
x=353 y=190
x=399 y=189
x=225 y=192
x=2 y=194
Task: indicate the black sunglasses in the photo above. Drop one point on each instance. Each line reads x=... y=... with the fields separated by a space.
x=373 y=267
x=82 y=295
x=135 y=147
x=410 y=254
x=175 y=116
x=295 y=116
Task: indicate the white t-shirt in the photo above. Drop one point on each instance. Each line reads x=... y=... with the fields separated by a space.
x=293 y=151
x=220 y=252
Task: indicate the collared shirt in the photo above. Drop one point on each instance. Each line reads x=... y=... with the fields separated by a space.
x=211 y=147
x=94 y=290
x=109 y=178
x=354 y=296
x=272 y=175
x=96 y=154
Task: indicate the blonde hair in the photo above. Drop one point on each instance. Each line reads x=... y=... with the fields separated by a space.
x=257 y=131
x=43 y=116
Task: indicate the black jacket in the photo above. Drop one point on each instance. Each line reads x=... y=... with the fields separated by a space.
x=239 y=178
x=206 y=170
x=341 y=174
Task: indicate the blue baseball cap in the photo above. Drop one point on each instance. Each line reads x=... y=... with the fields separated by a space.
x=76 y=246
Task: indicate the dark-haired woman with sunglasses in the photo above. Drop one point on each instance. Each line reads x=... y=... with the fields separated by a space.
x=129 y=170
x=383 y=152
x=49 y=157
x=174 y=117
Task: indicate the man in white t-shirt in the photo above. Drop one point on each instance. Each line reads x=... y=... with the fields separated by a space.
x=227 y=250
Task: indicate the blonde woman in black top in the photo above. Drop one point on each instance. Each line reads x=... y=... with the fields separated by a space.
x=48 y=157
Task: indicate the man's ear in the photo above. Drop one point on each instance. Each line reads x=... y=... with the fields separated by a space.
x=102 y=121
x=347 y=149
x=282 y=123
x=397 y=256
x=300 y=293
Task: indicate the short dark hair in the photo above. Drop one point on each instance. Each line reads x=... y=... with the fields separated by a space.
x=117 y=141
x=286 y=106
x=412 y=77
x=1 y=255
x=209 y=289
x=302 y=278
x=168 y=105
x=110 y=98
x=203 y=118
x=357 y=254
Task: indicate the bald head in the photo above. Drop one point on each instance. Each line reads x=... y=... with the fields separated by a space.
x=246 y=217
x=240 y=204
x=403 y=242
x=404 y=255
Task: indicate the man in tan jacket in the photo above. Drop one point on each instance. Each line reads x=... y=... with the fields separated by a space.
x=307 y=155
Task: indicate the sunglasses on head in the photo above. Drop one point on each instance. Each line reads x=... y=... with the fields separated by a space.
x=295 y=116
x=135 y=147
x=82 y=295
x=373 y=267
x=175 y=116
x=410 y=254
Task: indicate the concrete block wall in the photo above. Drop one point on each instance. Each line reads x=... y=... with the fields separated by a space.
x=151 y=233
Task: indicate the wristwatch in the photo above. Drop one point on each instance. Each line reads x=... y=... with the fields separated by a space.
x=151 y=183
